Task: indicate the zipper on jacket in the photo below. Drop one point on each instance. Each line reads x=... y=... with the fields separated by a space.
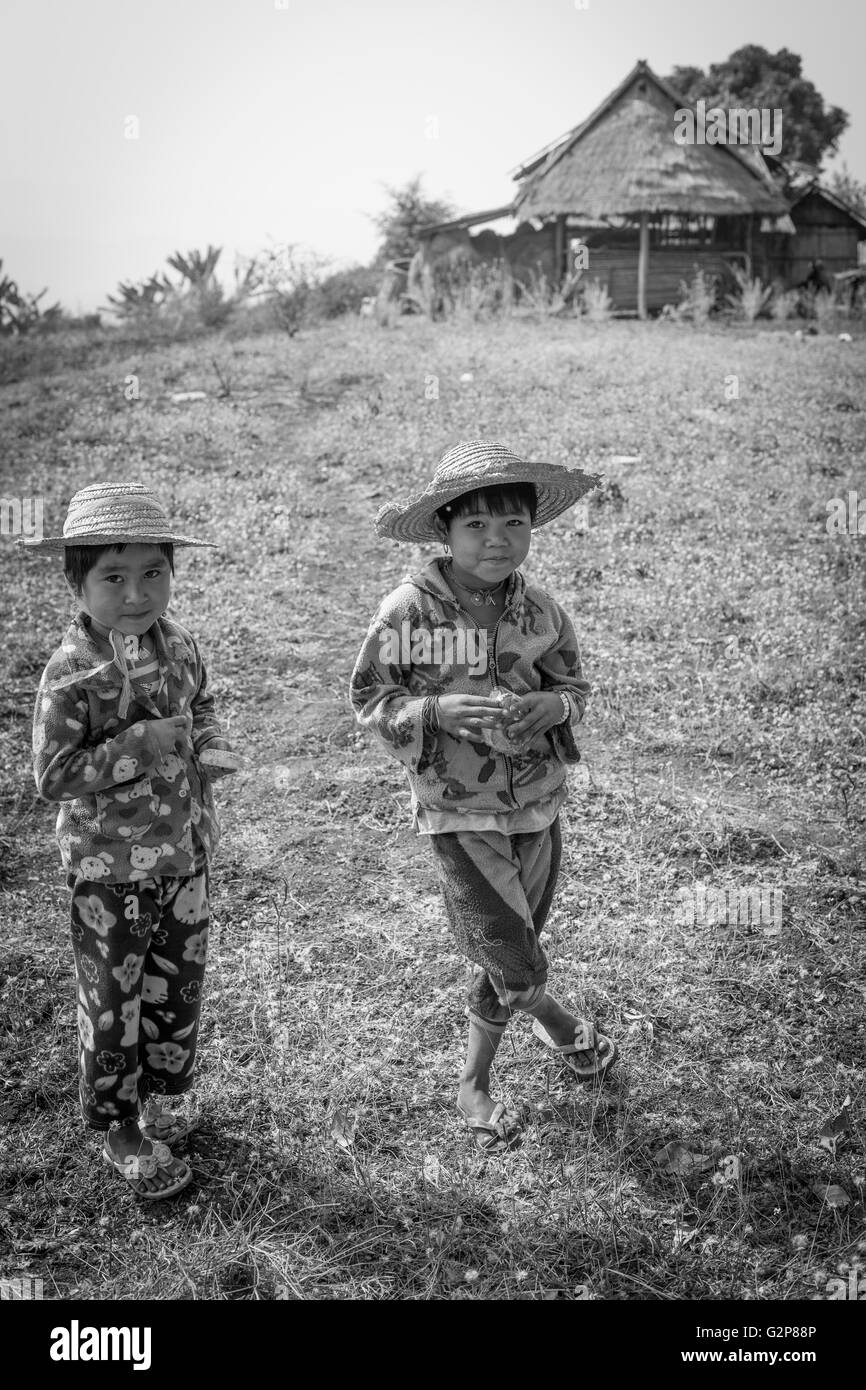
x=509 y=766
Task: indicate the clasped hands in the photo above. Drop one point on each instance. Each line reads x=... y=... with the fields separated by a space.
x=466 y=716
x=172 y=735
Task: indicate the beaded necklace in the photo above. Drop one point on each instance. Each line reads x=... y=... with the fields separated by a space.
x=480 y=597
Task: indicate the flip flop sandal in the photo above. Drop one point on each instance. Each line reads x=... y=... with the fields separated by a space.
x=162 y=1126
x=586 y=1039
x=139 y=1166
x=496 y=1134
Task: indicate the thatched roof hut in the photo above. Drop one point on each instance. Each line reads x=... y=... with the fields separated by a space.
x=649 y=211
x=624 y=162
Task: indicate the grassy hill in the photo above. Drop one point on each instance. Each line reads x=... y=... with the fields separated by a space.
x=724 y=633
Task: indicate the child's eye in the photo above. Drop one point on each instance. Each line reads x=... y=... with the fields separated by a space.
x=516 y=521
x=110 y=578
x=153 y=574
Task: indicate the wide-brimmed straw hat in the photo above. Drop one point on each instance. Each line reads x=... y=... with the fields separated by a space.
x=114 y=514
x=478 y=463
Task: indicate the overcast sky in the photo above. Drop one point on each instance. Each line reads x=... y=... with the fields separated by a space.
x=281 y=119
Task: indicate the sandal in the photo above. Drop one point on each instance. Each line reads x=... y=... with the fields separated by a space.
x=586 y=1039
x=496 y=1134
x=139 y=1166
x=162 y=1126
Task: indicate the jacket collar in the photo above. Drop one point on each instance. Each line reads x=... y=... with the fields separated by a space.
x=431 y=580
x=94 y=660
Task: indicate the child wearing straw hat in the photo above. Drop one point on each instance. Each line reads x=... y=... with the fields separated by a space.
x=126 y=740
x=471 y=677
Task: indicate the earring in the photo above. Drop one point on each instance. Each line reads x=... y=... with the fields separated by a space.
x=446 y=547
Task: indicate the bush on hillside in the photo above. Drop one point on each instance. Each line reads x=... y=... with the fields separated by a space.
x=344 y=291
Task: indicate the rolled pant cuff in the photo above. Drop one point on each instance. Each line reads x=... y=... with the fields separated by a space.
x=492 y=1025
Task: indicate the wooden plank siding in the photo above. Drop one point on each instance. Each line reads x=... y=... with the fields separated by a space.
x=667 y=268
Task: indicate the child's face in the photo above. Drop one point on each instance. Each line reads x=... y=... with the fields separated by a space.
x=488 y=548
x=127 y=589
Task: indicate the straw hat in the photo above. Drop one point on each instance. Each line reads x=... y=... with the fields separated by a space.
x=114 y=514
x=478 y=463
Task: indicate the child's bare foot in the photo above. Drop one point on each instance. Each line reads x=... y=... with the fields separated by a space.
x=128 y=1142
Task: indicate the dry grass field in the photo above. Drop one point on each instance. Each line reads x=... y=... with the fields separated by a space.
x=724 y=633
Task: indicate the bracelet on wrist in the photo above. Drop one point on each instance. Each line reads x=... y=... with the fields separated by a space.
x=430 y=714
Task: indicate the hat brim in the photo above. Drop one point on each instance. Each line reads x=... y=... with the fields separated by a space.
x=57 y=543
x=557 y=488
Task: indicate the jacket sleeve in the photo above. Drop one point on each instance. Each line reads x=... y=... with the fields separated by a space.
x=207 y=735
x=64 y=766
x=379 y=694
x=561 y=671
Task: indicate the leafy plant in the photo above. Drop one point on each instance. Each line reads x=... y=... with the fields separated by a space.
x=783 y=305
x=597 y=303
x=825 y=310
x=697 y=297
x=142 y=299
x=21 y=312
x=196 y=269
x=344 y=291
x=753 y=295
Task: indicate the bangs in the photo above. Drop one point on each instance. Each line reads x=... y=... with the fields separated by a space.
x=497 y=501
x=80 y=559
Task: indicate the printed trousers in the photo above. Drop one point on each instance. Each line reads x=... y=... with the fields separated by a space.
x=140 y=951
x=498 y=890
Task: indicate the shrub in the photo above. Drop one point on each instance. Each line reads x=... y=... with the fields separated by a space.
x=164 y=309
x=784 y=303
x=344 y=291
x=538 y=293
x=752 y=297
x=289 y=282
x=19 y=313
x=486 y=291
x=826 y=312
x=697 y=297
x=597 y=303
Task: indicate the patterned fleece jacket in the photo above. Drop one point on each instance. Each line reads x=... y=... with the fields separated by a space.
x=422 y=643
x=127 y=811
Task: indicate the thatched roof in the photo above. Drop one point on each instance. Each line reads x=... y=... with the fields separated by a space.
x=623 y=161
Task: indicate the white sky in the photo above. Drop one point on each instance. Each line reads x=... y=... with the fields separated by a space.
x=259 y=122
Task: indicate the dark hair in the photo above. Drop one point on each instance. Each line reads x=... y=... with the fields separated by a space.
x=80 y=559
x=499 y=501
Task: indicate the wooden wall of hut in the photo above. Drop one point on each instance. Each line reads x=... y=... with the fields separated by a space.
x=824 y=232
x=668 y=267
x=526 y=250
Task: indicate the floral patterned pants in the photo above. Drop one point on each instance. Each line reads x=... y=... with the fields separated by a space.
x=140 y=952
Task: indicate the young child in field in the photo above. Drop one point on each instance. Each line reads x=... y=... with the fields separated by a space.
x=125 y=739
x=471 y=677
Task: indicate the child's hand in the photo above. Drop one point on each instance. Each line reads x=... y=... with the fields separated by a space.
x=172 y=735
x=541 y=711
x=464 y=716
